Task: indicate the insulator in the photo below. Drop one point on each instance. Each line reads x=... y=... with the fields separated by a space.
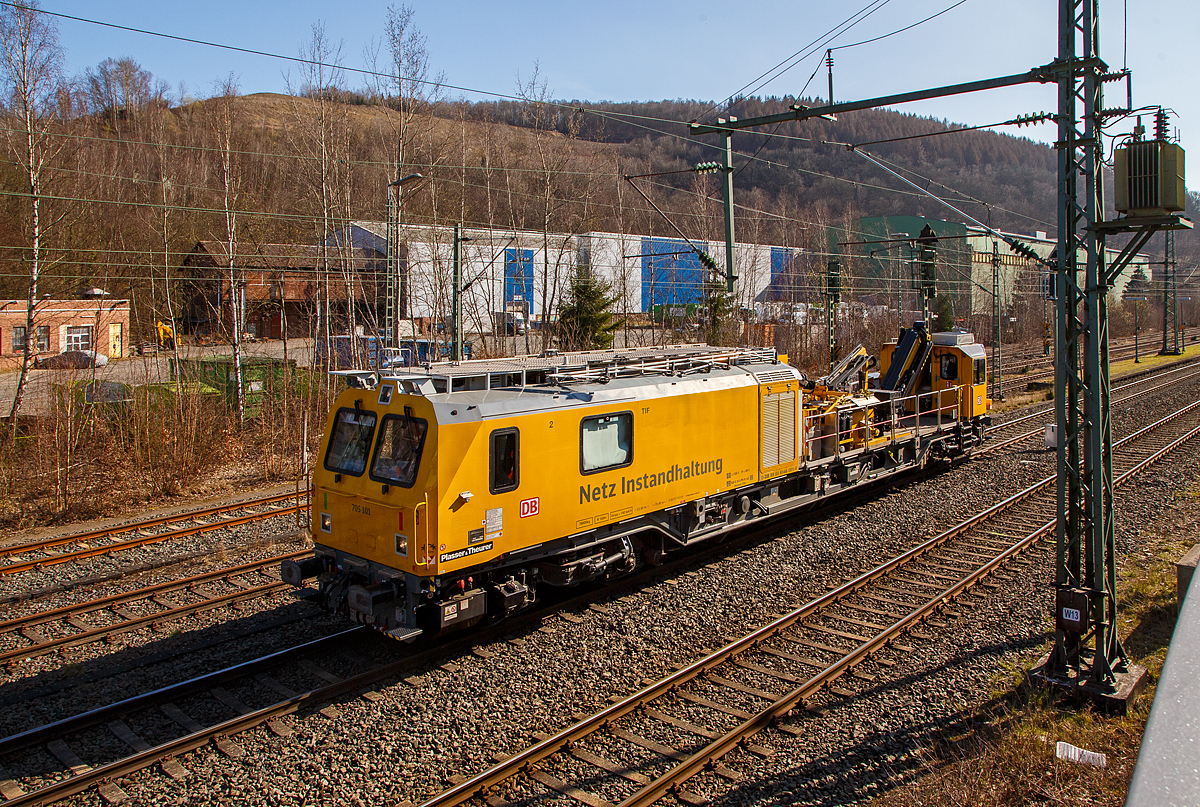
x=1161 y=131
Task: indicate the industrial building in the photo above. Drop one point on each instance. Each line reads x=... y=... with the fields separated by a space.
x=507 y=271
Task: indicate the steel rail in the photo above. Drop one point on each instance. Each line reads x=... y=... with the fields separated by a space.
x=1036 y=359
x=82 y=554
x=1034 y=354
x=75 y=723
x=1039 y=374
x=992 y=448
x=504 y=770
x=718 y=748
x=80 y=782
x=480 y=783
x=201 y=683
x=125 y=597
x=197 y=739
x=157 y=521
x=89 y=636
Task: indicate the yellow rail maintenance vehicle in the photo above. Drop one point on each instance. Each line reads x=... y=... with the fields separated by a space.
x=453 y=493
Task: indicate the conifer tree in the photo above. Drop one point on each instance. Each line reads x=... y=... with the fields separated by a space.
x=943 y=314
x=1138 y=285
x=585 y=320
x=720 y=324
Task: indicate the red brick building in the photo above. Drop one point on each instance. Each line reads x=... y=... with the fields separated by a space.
x=278 y=284
x=100 y=324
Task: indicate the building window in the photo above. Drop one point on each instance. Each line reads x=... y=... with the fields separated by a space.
x=43 y=337
x=606 y=442
x=79 y=337
x=18 y=339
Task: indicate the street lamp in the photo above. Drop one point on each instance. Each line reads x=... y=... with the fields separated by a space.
x=394 y=292
x=1137 y=359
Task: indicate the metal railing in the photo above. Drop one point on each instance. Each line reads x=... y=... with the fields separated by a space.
x=908 y=416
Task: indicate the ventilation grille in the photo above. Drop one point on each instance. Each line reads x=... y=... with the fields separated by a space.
x=778 y=429
x=1144 y=176
x=768 y=376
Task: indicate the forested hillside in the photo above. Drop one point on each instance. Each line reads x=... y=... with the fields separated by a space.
x=809 y=161
x=131 y=181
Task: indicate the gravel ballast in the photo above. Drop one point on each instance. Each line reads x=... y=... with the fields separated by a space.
x=408 y=744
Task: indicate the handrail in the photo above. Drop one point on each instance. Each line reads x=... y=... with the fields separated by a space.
x=946 y=411
x=426 y=559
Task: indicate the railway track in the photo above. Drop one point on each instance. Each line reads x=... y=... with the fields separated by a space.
x=255 y=692
x=38 y=634
x=1033 y=354
x=1015 y=431
x=766 y=679
x=250 y=692
x=31 y=555
x=1030 y=365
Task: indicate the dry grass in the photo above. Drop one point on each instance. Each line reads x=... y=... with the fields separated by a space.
x=1009 y=759
x=1017 y=400
x=81 y=461
x=1150 y=358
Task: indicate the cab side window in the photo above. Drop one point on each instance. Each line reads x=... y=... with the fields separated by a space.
x=504 y=461
x=949 y=371
x=606 y=442
x=981 y=371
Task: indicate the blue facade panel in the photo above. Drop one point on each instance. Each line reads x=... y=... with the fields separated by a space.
x=781 y=270
x=671 y=273
x=518 y=275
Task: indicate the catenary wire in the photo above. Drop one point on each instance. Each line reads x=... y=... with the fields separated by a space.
x=623 y=115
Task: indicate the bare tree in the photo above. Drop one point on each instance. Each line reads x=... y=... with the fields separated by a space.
x=408 y=86
x=120 y=88
x=403 y=83
x=552 y=156
x=30 y=68
x=224 y=122
x=322 y=135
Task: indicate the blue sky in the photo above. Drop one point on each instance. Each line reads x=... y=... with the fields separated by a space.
x=623 y=50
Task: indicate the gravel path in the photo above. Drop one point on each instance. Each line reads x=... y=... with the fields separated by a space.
x=450 y=720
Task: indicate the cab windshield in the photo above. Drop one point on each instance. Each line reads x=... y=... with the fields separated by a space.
x=398 y=454
x=350 y=441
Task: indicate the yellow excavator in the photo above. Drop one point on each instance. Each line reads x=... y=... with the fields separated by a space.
x=166 y=335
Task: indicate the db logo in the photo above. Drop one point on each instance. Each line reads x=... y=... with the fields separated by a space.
x=529 y=507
